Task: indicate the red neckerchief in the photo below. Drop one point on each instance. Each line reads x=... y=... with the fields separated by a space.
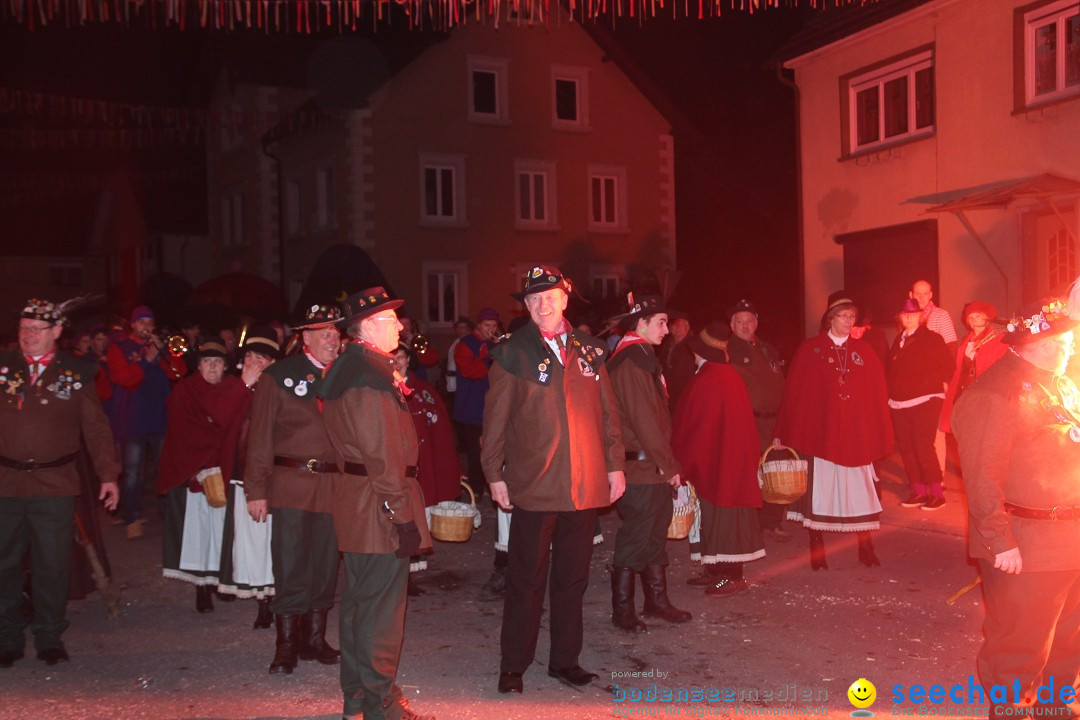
x=37 y=367
x=630 y=338
x=556 y=335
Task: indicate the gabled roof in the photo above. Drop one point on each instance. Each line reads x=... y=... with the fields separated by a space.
x=836 y=23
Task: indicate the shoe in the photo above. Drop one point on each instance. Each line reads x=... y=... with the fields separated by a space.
x=510 y=682
x=52 y=656
x=657 y=603
x=204 y=599
x=867 y=556
x=312 y=644
x=623 y=615
x=285 y=652
x=224 y=597
x=264 y=618
x=414 y=589
x=915 y=500
x=778 y=534
x=934 y=503
x=576 y=675
x=496 y=584
x=8 y=657
x=727 y=586
x=702 y=580
x=135 y=530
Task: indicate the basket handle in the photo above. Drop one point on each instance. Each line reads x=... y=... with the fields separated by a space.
x=472 y=495
x=769 y=449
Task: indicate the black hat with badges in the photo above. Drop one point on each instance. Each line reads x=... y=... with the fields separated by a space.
x=742 y=306
x=1039 y=320
x=542 y=278
x=318 y=316
x=639 y=308
x=366 y=303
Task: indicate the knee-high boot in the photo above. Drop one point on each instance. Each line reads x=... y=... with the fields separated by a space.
x=817 y=551
x=287 y=640
x=866 y=550
x=313 y=645
x=623 y=612
x=657 y=604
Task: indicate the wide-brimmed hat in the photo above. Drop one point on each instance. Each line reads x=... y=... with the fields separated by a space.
x=541 y=278
x=366 y=303
x=911 y=305
x=837 y=300
x=742 y=306
x=318 y=316
x=711 y=343
x=1037 y=321
x=45 y=310
x=212 y=346
x=263 y=340
x=641 y=307
x=977 y=306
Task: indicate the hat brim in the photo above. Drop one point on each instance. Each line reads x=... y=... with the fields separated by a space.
x=656 y=310
x=711 y=353
x=368 y=312
x=1026 y=338
x=314 y=325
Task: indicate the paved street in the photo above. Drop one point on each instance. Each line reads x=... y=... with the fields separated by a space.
x=794 y=632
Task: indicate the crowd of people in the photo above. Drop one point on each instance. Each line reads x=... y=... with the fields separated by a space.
x=273 y=467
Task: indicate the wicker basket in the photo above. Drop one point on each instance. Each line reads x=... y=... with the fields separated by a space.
x=682 y=517
x=453 y=521
x=783 y=481
x=213 y=486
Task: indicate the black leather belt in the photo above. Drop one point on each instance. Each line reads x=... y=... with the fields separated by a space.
x=31 y=465
x=636 y=455
x=361 y=469
x=1058 y=512
x=312 y=466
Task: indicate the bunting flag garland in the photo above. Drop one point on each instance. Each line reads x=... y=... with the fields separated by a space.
x=311 y=16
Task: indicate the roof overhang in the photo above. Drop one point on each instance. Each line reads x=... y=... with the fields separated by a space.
x=1000 y=195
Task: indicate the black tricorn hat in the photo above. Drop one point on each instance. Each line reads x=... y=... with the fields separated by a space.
x=366 y=303
x=711 y=343
x=541 y=278
x=1039 y=320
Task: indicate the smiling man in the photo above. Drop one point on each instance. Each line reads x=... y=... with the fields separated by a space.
x=552 y=454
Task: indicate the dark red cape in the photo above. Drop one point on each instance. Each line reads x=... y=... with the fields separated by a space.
x=203 y=430
x=815 y=420
x=714 y=437
x=439 y=467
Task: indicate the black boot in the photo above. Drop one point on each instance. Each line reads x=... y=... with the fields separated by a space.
x=657 y=604
x=264 y=618
x=623 y=614
x=313 y=645
x=204 y=599
x=866 y=550
x=287 y=641
x=817 y=551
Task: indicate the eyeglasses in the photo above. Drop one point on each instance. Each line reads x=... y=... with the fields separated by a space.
x=847 y=316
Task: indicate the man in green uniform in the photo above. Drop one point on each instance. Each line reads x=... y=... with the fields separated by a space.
x=377 y=507
x=1018 y=431
x=47 y=402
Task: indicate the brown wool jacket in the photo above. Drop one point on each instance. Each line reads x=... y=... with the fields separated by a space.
x=368 y=422
x=643 y=406
x=47 y=424
x=286 y=422
x=551 y=435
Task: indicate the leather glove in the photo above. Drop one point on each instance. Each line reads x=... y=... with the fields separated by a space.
x=408 y=540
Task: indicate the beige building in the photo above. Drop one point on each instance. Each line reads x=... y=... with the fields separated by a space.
x=939 y=139
x=483 y=154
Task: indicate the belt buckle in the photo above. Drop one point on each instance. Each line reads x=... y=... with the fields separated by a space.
x=30 y=465
x=310 y=465
x=1053 y=512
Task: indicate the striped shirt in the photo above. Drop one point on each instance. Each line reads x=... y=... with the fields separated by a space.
x=938 y=320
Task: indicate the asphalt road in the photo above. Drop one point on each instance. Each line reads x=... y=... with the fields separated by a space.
x=791 y=645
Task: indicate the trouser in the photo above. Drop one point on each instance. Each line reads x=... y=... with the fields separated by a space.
x=914 y=428
x=1032 y=628
x=372 y=627
x=563 y=541
x=642 y=538
x=134 y=454
x=468 y=438
x=304 y=553
x=45 y=526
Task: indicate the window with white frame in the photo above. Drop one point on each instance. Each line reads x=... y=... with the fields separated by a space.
x=488 y=91
x=444 y=287
x=324 y=197
x=1052 y=51
x=442 y=190
x=891 y=103
x=605 y=286
x=569 y=97
x=534 y=196
x=293 y=206
x=232 y=220
x=607 y=197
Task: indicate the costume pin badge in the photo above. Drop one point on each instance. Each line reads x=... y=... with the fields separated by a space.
x=543 y=376
x=1074 y=434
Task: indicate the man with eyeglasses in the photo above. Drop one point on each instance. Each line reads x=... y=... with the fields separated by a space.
x=47 y=403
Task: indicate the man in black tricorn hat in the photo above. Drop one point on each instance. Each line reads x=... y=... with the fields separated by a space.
x=47 y=402
x=377 y=506
x=652 y=472
x=1018 y=431
x=552 y=454
x=289 y=472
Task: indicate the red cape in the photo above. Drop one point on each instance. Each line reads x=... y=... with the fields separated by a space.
x=815 y=420
x=204 y=429
x=439 y=472
x=714 y=437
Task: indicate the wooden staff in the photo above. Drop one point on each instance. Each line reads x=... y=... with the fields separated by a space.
x=964 y=590
x=101 y=581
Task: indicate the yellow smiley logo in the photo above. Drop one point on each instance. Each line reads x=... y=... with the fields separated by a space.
x=862 y=693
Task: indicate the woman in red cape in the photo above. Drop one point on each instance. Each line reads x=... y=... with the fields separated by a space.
x=835 y=414
x=714 y=438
